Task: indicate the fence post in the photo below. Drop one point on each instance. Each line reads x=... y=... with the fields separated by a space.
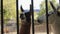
x=47 y=24
x=2 y=32
x=17 y=16
x=32 y=16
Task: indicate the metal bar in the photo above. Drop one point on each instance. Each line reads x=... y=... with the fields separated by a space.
x=2 y=17
x=17 y=16
x=32 y=17
x=47 y=24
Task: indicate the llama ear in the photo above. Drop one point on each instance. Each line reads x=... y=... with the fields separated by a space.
x=54 y=8
x=21 y=9
x=28 y=14
x=30 y=9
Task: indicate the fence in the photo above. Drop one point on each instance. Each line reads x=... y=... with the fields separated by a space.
x=17 y=18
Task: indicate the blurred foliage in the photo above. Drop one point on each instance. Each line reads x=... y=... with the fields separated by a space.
x=9 y=8
x=43 y=8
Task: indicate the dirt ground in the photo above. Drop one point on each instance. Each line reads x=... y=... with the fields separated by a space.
x=39 y=29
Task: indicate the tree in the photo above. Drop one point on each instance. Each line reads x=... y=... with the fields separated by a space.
x=9 y=7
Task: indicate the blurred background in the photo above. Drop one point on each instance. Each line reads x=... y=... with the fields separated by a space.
x=9 y=8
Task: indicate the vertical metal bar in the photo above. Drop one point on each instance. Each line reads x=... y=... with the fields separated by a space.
x=2 y=17
x=17 y=16
x=47 y=24
x=32 y=17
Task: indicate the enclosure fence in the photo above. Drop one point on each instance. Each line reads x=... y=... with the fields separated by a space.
x=17 y=18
